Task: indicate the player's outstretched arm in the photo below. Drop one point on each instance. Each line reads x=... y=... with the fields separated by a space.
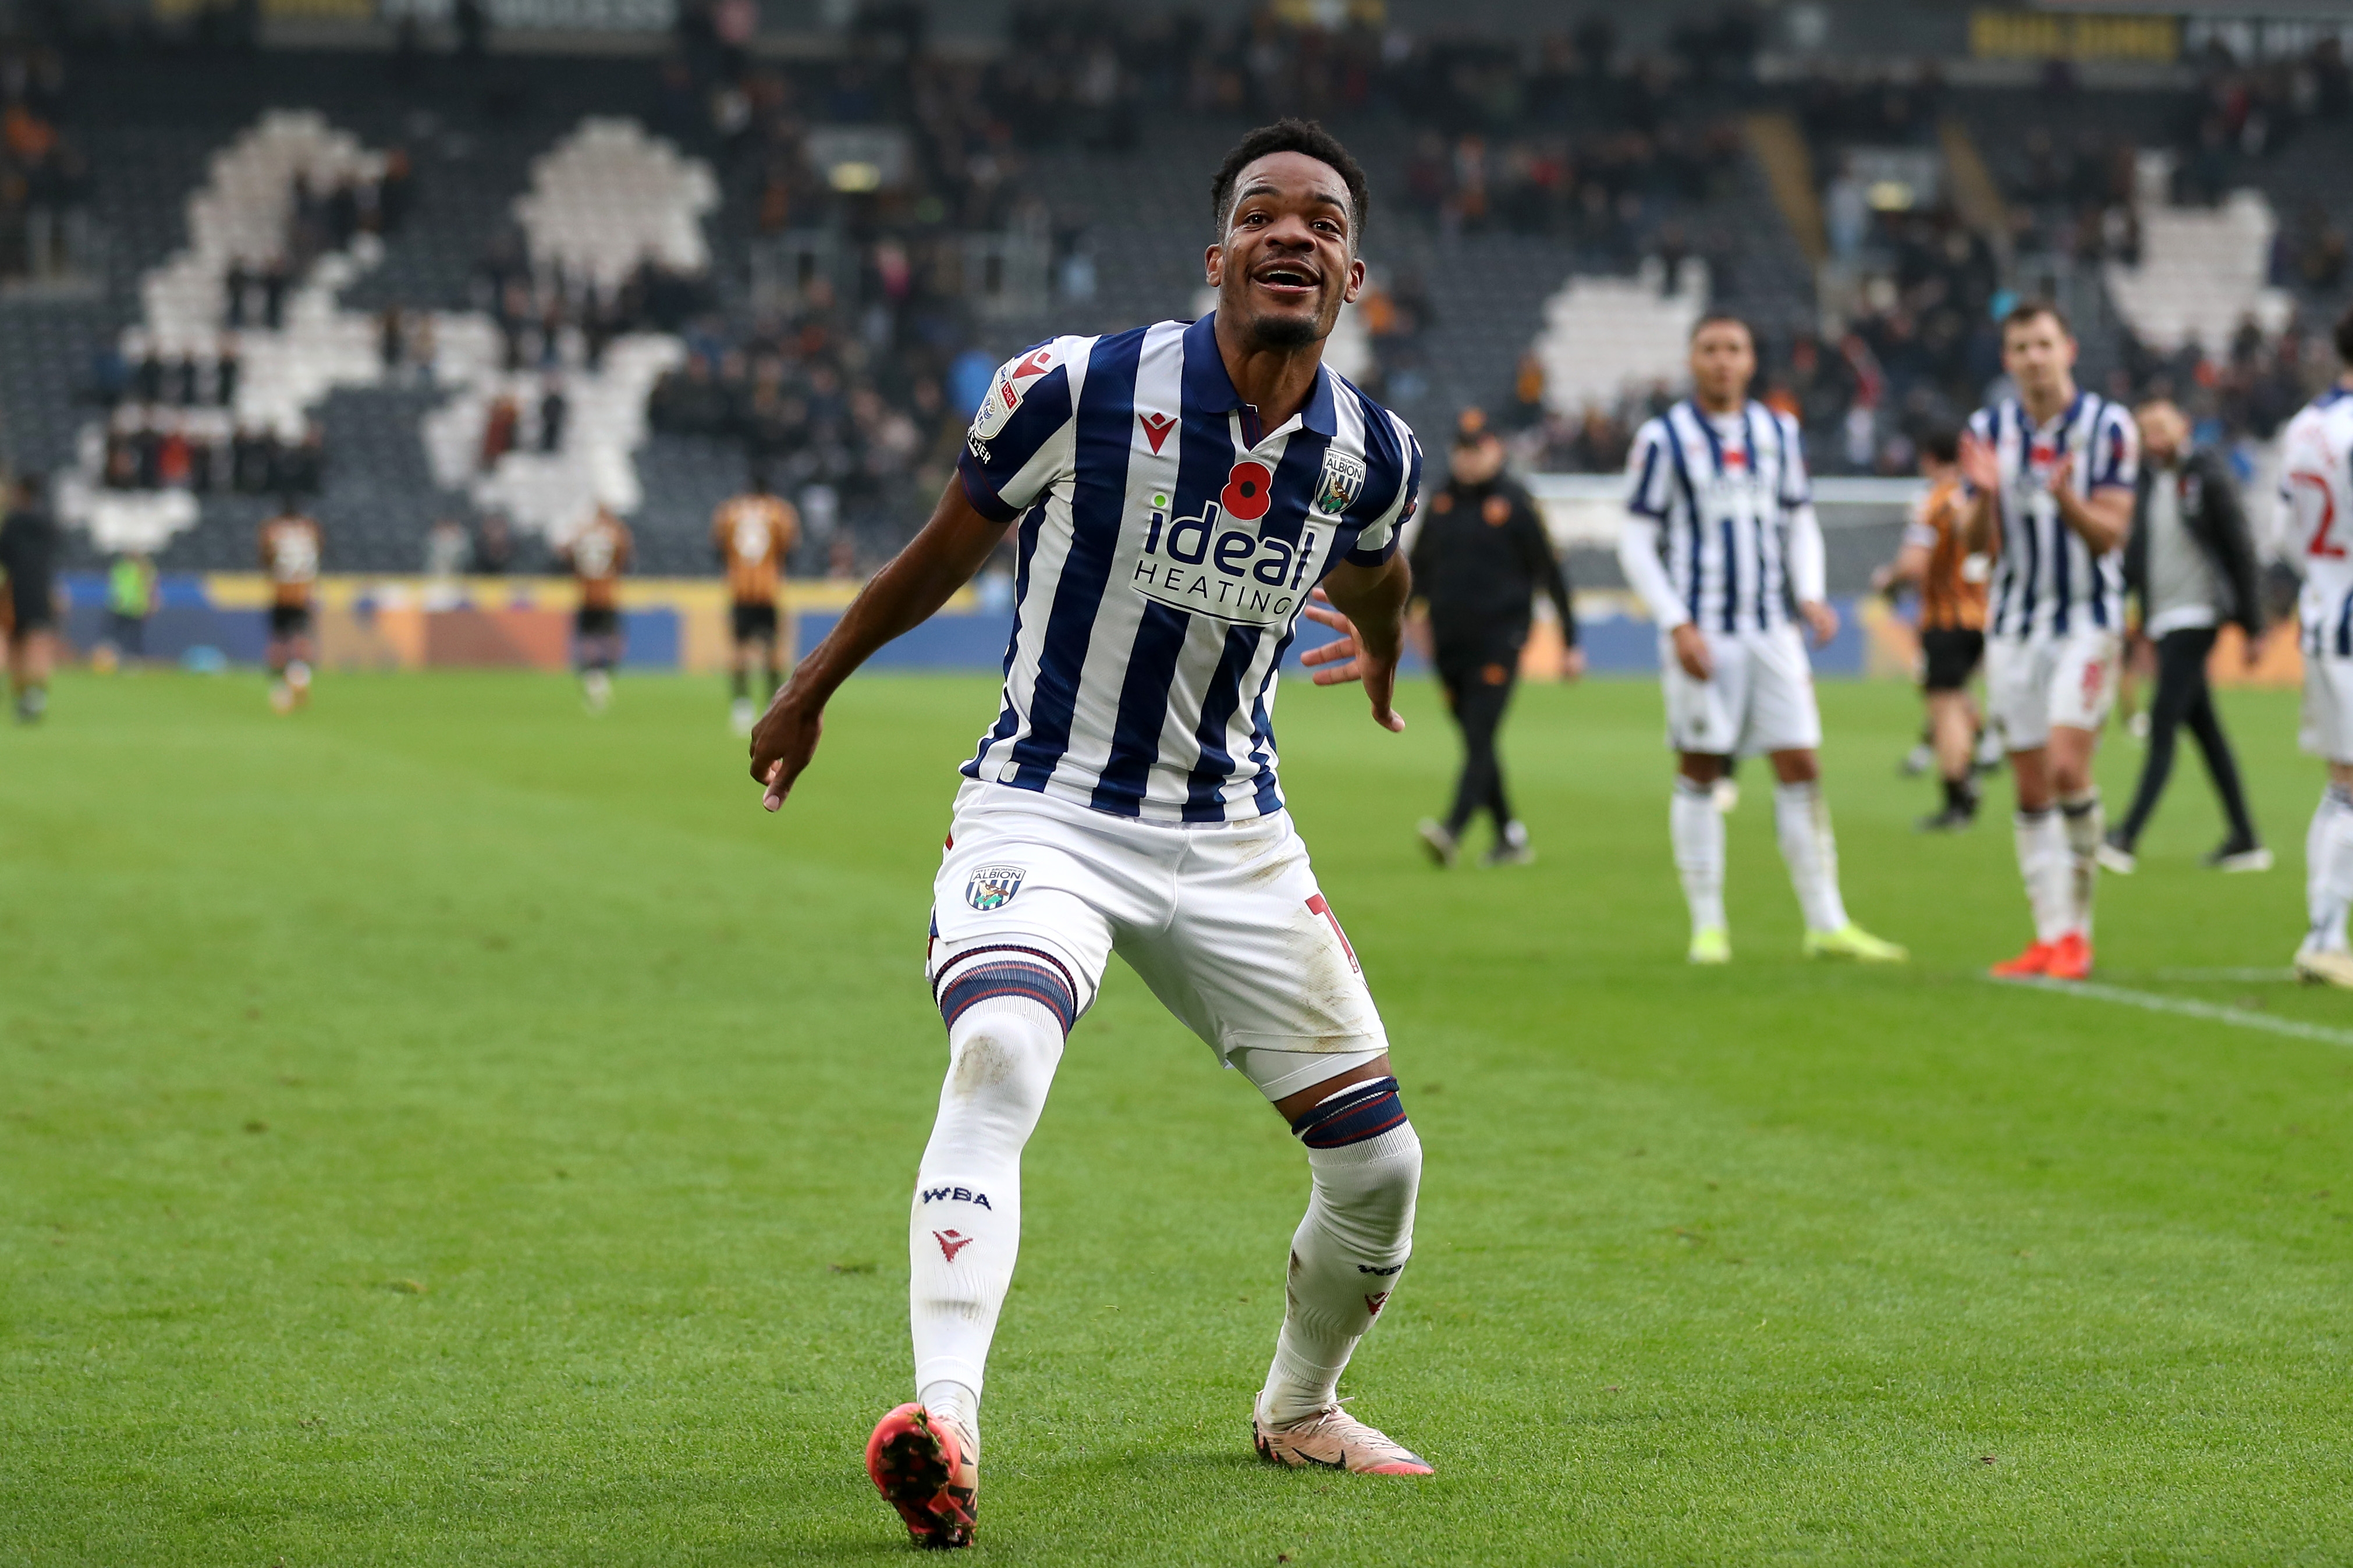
x=901 y=596
x=1365 y=604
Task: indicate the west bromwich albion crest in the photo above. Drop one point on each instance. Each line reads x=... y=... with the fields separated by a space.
x=993 y=887
x=1337 y=486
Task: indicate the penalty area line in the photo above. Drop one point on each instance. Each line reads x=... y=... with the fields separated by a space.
x=2187 y=1007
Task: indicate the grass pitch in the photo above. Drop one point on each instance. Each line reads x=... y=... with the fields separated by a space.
x=442 y=1129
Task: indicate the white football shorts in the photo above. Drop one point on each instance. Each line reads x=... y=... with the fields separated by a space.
x=2035 y=682
x=1759 y=699
x=2327 y=728
x=1224 y=922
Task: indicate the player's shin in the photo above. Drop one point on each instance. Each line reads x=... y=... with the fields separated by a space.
x=2043 y=865
x=1350 y=1249
x=2085 y=823
x=1007 y=1017
x=1804 y=819
x=2328 y=868
x=1697 y=830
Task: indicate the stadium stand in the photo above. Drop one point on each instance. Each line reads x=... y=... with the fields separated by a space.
x=884 y=222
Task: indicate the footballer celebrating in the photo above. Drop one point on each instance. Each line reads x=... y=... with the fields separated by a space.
x=1176 y=491
x=1722 y=543
x=753 y=533
x=2050 y=475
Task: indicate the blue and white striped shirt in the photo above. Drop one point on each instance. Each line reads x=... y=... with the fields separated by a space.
x=1166 y=545
x=1725 y=492
x=2046 y=580
x=2317 y=512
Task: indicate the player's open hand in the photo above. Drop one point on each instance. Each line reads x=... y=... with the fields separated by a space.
x=782 y=741
x=1344 y=660
x=1979 y=464
x=1821 y=620
x=2062 y=476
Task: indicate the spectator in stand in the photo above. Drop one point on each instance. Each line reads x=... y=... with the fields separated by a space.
x=554 y=409
x=499 y=428
x=494 y=548
x=276 y=279
x=446 y=548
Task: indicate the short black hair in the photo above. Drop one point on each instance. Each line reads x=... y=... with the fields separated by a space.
x=2344 y=336
x=1302 y=136
x=2026 y=310
x=1941 y=442
x=1721 y=318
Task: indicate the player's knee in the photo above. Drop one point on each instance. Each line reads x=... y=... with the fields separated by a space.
x=993 y=978
x=1366 y=1160
x=1008 y=1013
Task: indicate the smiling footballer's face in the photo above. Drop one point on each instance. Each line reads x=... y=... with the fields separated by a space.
x=1287 y=262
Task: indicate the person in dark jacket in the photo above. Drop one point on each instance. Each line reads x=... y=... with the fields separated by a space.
x=2190 y=562
x=28 y=554
x=1480 y=558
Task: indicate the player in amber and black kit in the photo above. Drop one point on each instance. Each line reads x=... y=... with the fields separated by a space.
x=753 y=533
x=1482 y=557
x=597 y=556
x=291 y=546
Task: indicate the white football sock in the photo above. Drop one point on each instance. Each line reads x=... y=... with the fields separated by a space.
x=1347 y=1255
x=1697 y=829
x=2043 y=863
x=1807 y=844
x=2329 y=870
x=951 y=1402
x=2084 y=824
x=964 y=1228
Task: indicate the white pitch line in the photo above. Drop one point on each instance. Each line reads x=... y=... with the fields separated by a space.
x=2242 y=972
x=2190 y=1008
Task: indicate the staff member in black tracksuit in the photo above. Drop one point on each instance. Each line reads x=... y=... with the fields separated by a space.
x=2190 y=562
x=1480 y=557
x=28 y=554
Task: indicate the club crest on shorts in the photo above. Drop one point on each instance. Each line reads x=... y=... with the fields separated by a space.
x=1341 y=480
x=993 y=887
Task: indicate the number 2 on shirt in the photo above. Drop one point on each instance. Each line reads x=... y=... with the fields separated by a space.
x=2321 y=543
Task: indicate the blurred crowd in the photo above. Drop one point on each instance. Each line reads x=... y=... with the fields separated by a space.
x=205 y=451
x=816 y=405
x=45 y=186
x=1913 y=344
x=173 y=424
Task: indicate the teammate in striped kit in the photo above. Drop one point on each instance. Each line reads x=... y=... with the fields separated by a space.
x=1721 y=541
x=2316 y=500
x=2051 y=474
x=1177 y=492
